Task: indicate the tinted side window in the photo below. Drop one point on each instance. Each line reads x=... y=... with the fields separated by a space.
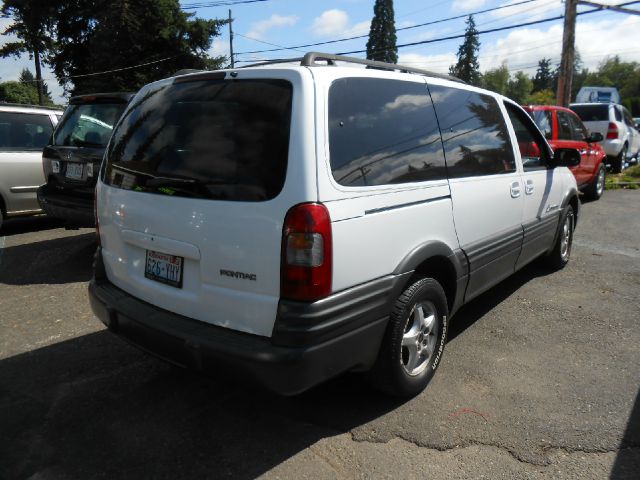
x=474 y=133
x=592 y=113
x=383 y=132
x=579 y=131
x=543 y=121
x=565 y=131
x=530 y=142
x=618 y=114
x=24 y=131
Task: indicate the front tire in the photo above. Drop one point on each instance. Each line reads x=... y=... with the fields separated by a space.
x=414 y=341
x=596 y=187
x=561 y=252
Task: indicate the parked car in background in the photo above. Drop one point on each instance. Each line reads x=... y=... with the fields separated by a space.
x=288 y=223
x=563 y=129
x=71 y=159
x=621 y=138
x=24 y=131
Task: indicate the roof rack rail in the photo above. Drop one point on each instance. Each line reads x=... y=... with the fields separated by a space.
x=310 y=59
x=26 y=105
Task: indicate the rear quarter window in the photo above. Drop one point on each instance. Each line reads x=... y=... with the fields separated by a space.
x=383 y=131
x=213 y=139
x=474 y=133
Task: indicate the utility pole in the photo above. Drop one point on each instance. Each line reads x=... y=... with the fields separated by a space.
x=231 y=38
x=565 y=76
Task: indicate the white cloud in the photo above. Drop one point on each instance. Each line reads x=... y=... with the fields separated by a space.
x=468 y=4
x=259 y=29
x=595 y=40
x=361 y=28
x=330 y=22
x=435 y=63
x=528 y=11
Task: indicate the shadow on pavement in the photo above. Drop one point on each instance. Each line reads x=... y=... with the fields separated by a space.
x=94 y=407
x=627 y=463
x=483 y=304
x=60 y=260
x=37 y=223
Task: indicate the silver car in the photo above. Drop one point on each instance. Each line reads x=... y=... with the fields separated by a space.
x=621 y=139
x=24 y=131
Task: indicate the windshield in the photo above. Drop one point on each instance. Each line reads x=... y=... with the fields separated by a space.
x=87 y=125
x=591 y=113
x=217 y=139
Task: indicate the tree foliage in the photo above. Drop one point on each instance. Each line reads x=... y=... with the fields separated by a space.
x=519 y=87
x=115 y=35
x=33 y=25
x=544 y=78
x=381 y=45
x=497 y=79
x=467 y=68
x=18 y=92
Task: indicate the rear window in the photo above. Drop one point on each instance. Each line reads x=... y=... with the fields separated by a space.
x=592 y=113
x=87 y=125
x=24 y=131
x=215 y=139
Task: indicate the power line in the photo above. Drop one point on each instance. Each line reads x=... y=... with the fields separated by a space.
x=492 y=30
x=442 y=20
x=221 y=3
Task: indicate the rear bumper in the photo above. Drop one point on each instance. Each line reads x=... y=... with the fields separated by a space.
x=75 y=209
x=310 y=344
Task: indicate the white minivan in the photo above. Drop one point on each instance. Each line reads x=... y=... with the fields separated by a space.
x=289 y=223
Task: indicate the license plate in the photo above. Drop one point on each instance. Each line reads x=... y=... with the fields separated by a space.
x=74 y=171
x=164 y=268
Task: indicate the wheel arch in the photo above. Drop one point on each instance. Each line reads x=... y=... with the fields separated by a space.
x=437 y=260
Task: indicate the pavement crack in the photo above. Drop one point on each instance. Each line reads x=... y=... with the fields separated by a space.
x=335 y=468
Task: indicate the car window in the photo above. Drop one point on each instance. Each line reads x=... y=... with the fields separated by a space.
x=578 y=129
x=474 y=133
x=565 y=132
x=204 y=138
x=383 y=131
x=618 y=114
x=592 y=113
x=627 y=118
x=87 y=124
x=543 y=121
x=530 y=142
x=24 y=131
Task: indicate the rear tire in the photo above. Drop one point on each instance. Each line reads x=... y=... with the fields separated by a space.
x=596 y=188
x=618 y=162
x=414 y=341
x=561 y=252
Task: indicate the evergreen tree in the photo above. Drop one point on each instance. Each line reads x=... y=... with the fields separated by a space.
x=544 y=78
x=32 y=24
x=28 y=79
x=497 y=79
x=381 y=45
x=467 y=67
x=519 y=87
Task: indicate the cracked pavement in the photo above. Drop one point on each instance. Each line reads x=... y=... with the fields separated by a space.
x=540 y=379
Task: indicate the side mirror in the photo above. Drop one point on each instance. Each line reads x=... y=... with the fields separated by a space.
x=566 y=157
x=595 y=137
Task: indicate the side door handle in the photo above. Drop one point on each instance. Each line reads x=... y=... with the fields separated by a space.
x=528 y=187
x=515 y=189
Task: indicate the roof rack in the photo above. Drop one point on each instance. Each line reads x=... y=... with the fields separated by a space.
x=310 y=60
x=26 y=105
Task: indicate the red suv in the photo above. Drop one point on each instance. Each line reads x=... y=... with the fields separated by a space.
x=563 y=129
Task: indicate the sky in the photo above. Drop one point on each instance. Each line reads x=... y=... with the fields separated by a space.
x=270 y=24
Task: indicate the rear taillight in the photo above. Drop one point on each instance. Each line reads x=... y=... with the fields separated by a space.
x=612 y=131
x=95 y=214
x=306 y=253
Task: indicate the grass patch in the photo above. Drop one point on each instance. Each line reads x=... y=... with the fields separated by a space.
x=629 y=178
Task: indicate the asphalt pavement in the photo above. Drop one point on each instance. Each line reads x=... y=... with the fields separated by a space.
x=540 y=379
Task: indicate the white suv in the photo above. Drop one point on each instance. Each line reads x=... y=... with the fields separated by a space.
x=293 y=222
x=621 y=138
x=24 y=131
